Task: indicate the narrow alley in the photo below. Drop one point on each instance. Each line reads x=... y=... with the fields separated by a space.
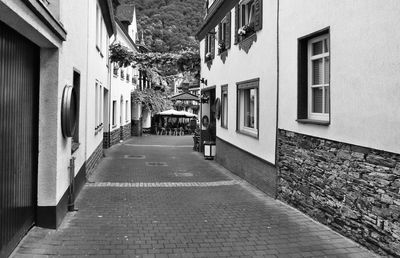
x=155 y=197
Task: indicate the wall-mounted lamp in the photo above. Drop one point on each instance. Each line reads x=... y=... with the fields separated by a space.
x=204 y=81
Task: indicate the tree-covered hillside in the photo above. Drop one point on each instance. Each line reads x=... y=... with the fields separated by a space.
x=169 y=25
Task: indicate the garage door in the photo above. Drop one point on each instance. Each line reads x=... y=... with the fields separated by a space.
x=19 y=87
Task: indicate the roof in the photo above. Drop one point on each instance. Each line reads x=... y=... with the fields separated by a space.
x=216 y=13
x=117 y=21
x=185 y=96
x=106 y=7
x=124 y=12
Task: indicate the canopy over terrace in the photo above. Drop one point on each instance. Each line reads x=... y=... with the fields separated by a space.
x=185 y=96
x=176 y=113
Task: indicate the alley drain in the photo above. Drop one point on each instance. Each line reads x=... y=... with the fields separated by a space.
x=164 y=184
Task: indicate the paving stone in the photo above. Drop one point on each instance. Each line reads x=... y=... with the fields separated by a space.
x=129 y=210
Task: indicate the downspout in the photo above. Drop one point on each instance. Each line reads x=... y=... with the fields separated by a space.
x=110 y=86
x=277 y=101
x=87 y=81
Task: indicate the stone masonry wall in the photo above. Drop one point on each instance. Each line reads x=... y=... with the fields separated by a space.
x=111 y=138
x=94 y=160
x=352 y=189
x=247 y=166
x=126 y=131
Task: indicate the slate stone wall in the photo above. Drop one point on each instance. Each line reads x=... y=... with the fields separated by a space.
x=256 y=171
x=94 y=160
x=126 y=131
x=352 y=189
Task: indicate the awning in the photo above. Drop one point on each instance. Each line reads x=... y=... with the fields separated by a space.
x=185 y=96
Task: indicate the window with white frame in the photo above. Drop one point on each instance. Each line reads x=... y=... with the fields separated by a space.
x=115 y=70
x=246 y=12
x=209 y=46
x=99 y=29
x=224 y=106
x=99 y=103
x=121 y=109
x=126 y=111
x=114 y=113
x=319 y=78
x=96 y=110
x=247 y=109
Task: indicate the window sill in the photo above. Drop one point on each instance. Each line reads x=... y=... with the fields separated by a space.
x=247 y=42
x=98 y=50
x=224 y=127
x=114 y=126
x=98 y=129
x=115 y=76
x=223 y=55
x=312 y=121
x=74 y=146
x=253 y=135
x=209 y=63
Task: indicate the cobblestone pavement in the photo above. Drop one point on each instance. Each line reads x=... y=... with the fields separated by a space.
x=154 y=197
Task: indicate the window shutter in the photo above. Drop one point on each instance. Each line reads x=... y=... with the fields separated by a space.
x=258 y=15
x=302 y=80
x=219 y=32
x=213 y=44
x=228 y=31
x=236 y=24
x=206 y=46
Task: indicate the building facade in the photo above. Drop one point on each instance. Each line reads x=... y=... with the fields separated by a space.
x=50 y=59
x=246 y=124
x=123 y=80
x=323 y=76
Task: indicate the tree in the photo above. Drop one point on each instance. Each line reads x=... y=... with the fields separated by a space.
x=169 y=25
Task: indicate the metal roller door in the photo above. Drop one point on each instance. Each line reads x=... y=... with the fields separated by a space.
x=19 y=89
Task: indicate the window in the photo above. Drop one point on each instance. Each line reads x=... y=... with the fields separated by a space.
x=127 y=77
x=224 y=34
x=115 y=70
x=122 y=74
x=76 y=85
x=210 y=46
x=114 y=113
x=247 y=108
x=318 y=68
x=314 y=78
x=99 y=100
x=224 y=106
x=126 y=111
x=248 y=19
x=99 y=30
x=96 y=104
x=246 y=13
x=121 y=109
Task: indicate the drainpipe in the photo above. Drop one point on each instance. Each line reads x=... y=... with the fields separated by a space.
x=277 y=100
x=87 y=82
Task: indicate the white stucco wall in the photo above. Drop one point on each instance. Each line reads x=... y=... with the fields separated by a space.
x=365 y=81
x=58 y=59
x=121 y=88
x=72 y=57
x=260 y=63
x=97 y=72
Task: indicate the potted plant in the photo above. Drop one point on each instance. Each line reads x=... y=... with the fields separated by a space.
x=246 y=30
x=208 y=57
x=221 y=47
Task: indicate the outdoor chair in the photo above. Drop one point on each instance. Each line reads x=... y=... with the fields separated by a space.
x=162 y=131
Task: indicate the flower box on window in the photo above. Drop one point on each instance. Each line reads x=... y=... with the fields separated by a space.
x=208 y=57
x=246 y=30
x=221 y=47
